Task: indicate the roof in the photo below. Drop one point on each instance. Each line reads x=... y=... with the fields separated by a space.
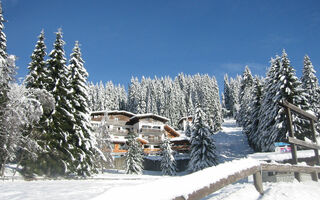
x=143 y=141
x=182 y=137
x=184 y=118
x=136 y=118
x=120 y=112
x=98 y=112
x=171 y=131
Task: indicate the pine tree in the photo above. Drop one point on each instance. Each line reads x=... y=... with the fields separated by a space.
x=7 y=72
x=228 y=103
x=168 y=163
x=251 y=129
x=82 y=138
x=133 y=95
x=104 y=145
x=245 y=95
x=134 y=157
x=311 y=86
x=281 y=84
x=269 y=108
x=37 y=66
x=203 y=150
x=59 y=157
x=234 y=94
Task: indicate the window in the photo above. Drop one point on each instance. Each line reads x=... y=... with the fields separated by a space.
x=156 y=127
x=123 y=146
x=151 y=138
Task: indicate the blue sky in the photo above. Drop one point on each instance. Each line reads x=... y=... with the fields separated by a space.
x=125 y=38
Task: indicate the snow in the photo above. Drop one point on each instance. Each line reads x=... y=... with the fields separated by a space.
x=272 y=191
x=281 y=156
x=177 y=186
x=114 y=184
x=182 y=137
x=149 y=115
x=231 y=143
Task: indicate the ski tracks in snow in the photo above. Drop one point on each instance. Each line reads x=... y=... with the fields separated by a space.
x=231 y=143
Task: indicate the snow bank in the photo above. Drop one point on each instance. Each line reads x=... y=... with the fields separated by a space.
x=281 y=156
x=170 y=187
x=273 y=191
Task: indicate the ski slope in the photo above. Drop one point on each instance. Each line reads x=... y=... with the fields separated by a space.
x=231 y=143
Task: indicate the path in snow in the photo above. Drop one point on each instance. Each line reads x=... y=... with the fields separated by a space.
x=231 y=143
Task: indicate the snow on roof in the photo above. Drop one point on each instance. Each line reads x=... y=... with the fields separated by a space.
x=113 y=112
x=118 y=140
x=203 y=178
x=184 y=118
x=180 y=138
x=121 y=112
x=151 y=115
x=98 y=112
x=275 y=156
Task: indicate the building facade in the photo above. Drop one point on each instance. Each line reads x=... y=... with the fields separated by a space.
x=150 y=130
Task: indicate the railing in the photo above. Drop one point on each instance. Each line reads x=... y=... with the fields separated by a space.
x=151 y=130
x=115 y=122
x=293 y=141
x=256 y=171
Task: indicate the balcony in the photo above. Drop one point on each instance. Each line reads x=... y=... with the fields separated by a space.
x=151 y=131
x=115 y=122
x=117 y=132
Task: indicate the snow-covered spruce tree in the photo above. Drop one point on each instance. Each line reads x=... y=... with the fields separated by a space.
x=104 y=145
x=245 y=95
x=168 y=163
x=82 y=138
x=234 y=94
x=228 y=103
x=269 y=108
x=59 y=156
x=37 y=66
x=133 y=95
x=203 y=150
x=134 y=156
x=215 y=108
x=281 y=84
x=311 y=86
x=188 y=130
x=251 y=129
x=295 y=94
x=7 y=72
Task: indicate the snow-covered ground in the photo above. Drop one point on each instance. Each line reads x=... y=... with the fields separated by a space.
x=231 y=144
x=272 y=191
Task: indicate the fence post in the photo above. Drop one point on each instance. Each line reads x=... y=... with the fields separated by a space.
x=297 y=175
x=316 y=151
x=257 y=178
